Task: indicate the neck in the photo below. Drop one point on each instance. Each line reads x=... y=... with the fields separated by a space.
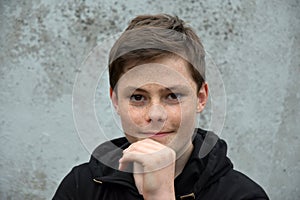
x=182 y=160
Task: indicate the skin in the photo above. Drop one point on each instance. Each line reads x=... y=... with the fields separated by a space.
x=158 y=103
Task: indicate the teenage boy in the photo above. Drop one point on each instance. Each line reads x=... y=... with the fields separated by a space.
x=157 y=80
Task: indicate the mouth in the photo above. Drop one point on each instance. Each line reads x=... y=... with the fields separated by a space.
x=158 y=134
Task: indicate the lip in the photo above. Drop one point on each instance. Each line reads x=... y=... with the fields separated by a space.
x=159 y=134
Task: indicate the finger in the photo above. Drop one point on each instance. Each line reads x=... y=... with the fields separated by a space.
x=138 y=168
x=128 y=158
x=131 y=157
x=122 y=165
x=145 y=146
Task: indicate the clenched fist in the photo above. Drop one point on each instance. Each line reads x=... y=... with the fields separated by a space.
x=154 y=168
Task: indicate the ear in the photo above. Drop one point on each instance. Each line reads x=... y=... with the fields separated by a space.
x=202 y=97
x=114 y=99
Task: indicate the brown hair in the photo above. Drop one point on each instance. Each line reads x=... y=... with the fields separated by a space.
x=149 y=37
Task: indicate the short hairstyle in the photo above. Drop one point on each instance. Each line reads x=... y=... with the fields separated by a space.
x=150 y=37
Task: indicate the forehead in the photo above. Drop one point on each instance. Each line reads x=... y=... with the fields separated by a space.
x=167 y=72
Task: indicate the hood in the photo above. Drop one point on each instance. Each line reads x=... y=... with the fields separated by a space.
x=216 y=163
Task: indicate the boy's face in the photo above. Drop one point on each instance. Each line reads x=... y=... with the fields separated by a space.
x=159 y=100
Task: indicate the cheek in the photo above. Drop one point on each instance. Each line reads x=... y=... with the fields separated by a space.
x=136 y=115
x=188 y=116
x=174 y=115
x=131 y=117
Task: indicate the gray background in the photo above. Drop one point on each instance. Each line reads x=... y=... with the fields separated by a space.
x=43 y=43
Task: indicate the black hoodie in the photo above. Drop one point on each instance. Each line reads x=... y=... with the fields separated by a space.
x=211 y=177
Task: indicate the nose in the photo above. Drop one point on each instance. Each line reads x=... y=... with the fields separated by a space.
x=157 y=113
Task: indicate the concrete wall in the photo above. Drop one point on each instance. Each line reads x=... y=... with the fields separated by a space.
x=42 y=44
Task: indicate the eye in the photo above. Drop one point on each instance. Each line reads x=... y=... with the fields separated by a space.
x=137 y=98
x=174 y=96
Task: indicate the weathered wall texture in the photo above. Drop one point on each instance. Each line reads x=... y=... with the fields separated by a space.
x=42 y=43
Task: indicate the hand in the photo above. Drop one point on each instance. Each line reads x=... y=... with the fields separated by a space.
x=154 y=168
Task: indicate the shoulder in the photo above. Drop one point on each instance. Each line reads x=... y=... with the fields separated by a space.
x=80 y=181
x=233 y=185
x=237 y=185
x=242 y=181
x=68 y=188
x=218 y=177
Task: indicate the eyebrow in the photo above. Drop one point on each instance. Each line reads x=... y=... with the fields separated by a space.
x=171 y=88
x=179 y=87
